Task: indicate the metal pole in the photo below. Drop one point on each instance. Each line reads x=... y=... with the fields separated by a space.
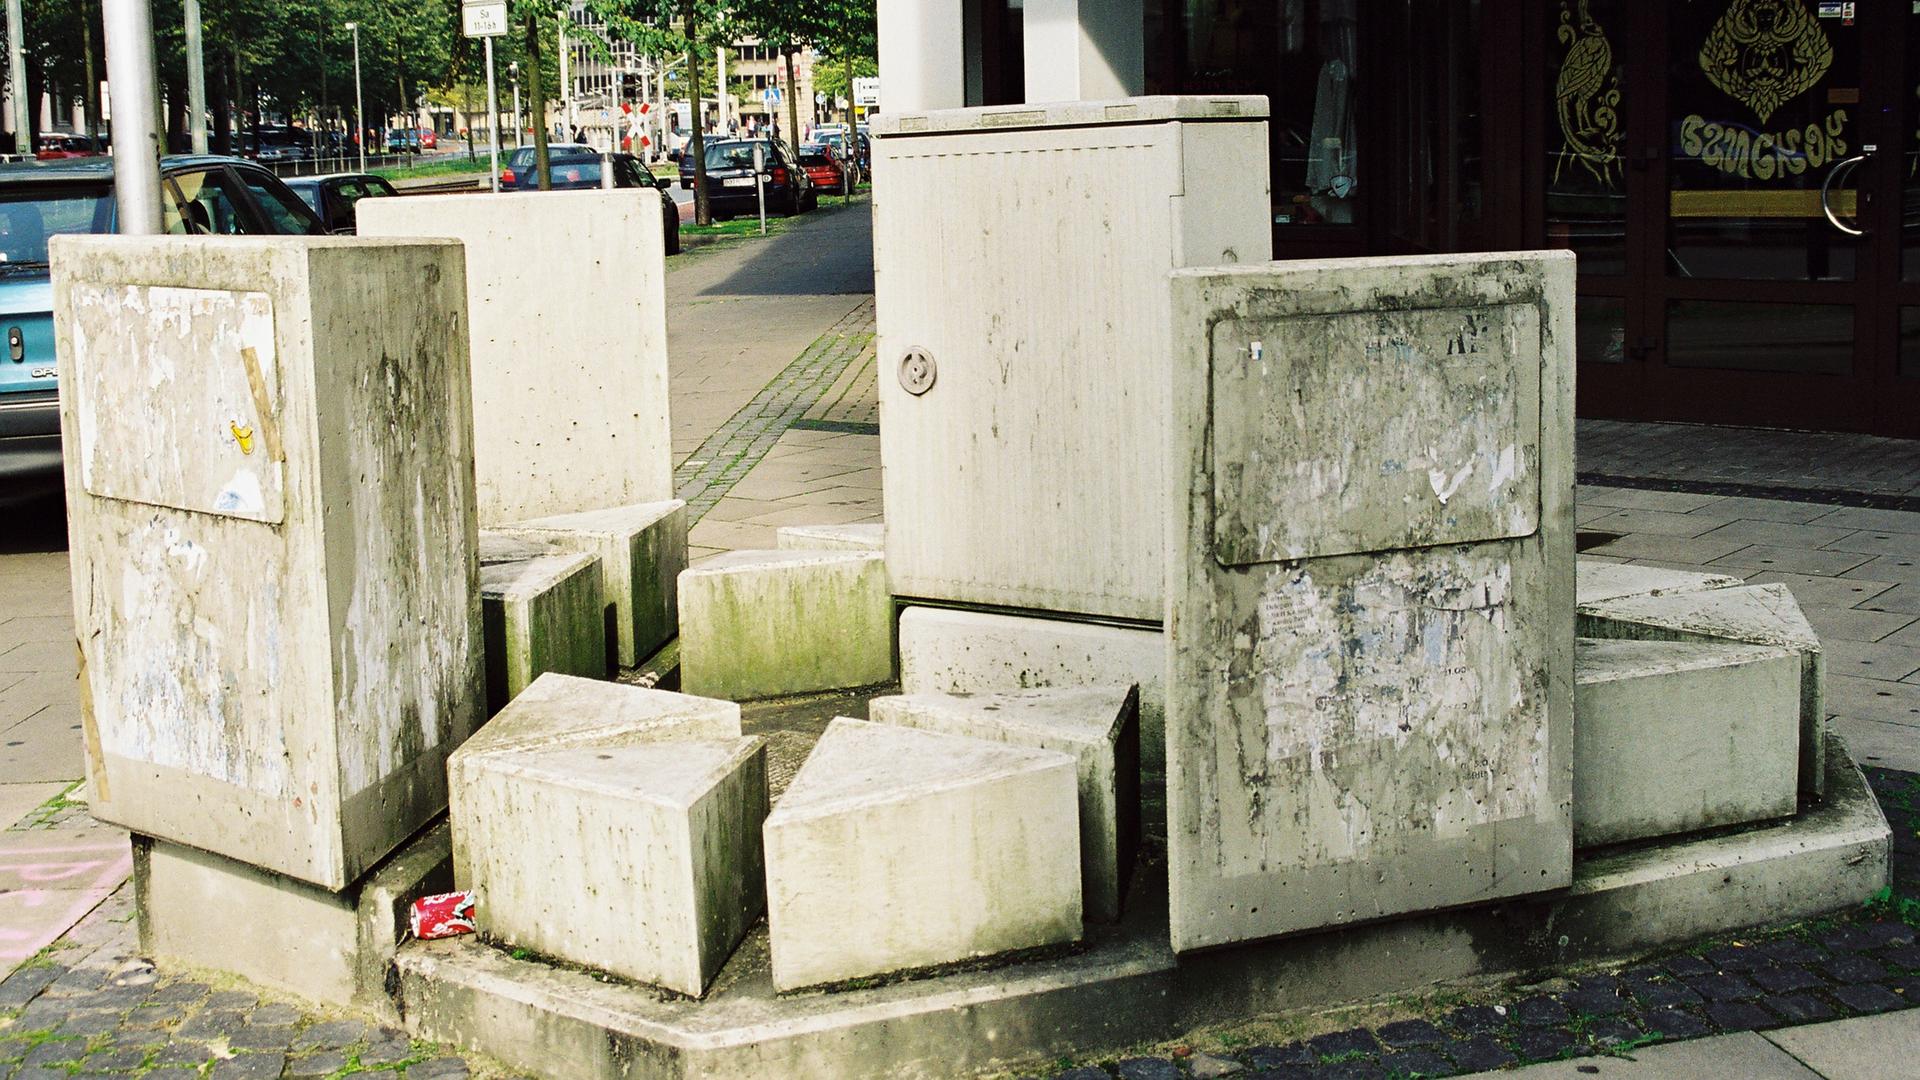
x=196 y=80
x=17 y=73
x=493 y=120
x=721 y=100
x=513 y=70
x=566 y=82
x=759 y=182
x=136 y=114
x=359 y=117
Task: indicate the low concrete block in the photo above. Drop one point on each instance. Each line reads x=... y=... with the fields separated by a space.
x=331 y=947
x=898 y=849
x=868 y=537
x=757 y=624
x=642 y=549
x=541 y=609
x=1100 y=727
x=944 y=651
x=1748 y=614
x=642 y=860
x=1676 y=736
x=1595 y=581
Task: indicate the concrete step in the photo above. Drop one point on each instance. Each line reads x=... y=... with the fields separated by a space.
x=642 y=549
x=1595 y=581
x=541 y=610
x=867 y=537
x=759 y=624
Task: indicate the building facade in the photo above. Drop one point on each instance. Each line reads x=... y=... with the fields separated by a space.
x=1740 y=178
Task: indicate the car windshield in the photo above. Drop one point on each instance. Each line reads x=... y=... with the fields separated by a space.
x=730 y=155
x=28 y=218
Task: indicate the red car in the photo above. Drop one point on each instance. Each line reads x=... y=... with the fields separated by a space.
x=822 y=167
x=429 y=139
x=56 y=147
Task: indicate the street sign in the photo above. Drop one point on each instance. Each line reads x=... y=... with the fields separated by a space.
x=866 y=91
x=484 y=18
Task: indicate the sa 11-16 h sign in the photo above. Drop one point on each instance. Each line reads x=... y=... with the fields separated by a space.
x=485 y=19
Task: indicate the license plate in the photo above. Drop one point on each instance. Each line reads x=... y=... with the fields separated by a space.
x=738 y=181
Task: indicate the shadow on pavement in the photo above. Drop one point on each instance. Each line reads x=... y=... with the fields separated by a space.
x=828 y=252
x=34 y=525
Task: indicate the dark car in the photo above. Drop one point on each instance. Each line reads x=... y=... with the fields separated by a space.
x=202 y=195
x=576 y=166
x=730 y=185
x=333 y=197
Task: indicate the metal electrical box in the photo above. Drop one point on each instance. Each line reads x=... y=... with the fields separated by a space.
x=269 y=461
x=1021 y=257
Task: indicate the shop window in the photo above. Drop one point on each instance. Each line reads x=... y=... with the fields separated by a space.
x=1803 y=339
x=1586 y=199
x=1600 y=330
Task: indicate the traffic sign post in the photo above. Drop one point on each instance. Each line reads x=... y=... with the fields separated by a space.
x=486 y=20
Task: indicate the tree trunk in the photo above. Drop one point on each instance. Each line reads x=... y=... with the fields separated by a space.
x=466 y=103
x=793 y=100
x=91 y=98
x=697 y=140
x=537 y=104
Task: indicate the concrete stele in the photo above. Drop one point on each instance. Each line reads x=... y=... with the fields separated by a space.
x=541 y=611
x=756 y=624
x=1100 y=727
x=569 y=357
x=1749 y=614
x=1370 y=702
x=613 y=826
x=898 y=849
x=272 y=538
x=1595 y=581
x=642 y=550
x=863 y=537
x=1676 y=736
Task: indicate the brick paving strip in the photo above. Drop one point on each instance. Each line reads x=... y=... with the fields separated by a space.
x=730 y=453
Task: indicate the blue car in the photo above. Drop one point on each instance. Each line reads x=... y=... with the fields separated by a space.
x=203 y=196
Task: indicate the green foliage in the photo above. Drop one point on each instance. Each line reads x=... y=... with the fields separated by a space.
x=1886 y=904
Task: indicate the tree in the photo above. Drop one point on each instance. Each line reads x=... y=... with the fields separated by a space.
x=845 y=31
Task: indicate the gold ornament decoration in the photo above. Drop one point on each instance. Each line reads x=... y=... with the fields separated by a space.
x=1765 y=53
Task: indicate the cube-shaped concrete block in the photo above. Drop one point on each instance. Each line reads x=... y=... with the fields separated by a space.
x=641 y=860
x=867 y=537
x=898 y=849
x=1100 y=727
x=1674 y=736
x=1748 y=614
x=642 y=550
x=566 y=294
x=272 y=538
x=1595 y=581
x=568 y=710
x=757 y=624
x=540 y=612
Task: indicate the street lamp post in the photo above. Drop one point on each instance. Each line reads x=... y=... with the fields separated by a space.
x=196 y=79
x=17 y=74
x=136 y=115
x=493 y=122
x=359 y=118
x=513 y=69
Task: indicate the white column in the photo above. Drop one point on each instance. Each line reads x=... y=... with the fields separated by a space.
x=923 y=54
x=1084 y=50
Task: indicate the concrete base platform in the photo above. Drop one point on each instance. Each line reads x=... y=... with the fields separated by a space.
x=1125 y=986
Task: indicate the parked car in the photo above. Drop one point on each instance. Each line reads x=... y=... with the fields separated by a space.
x=403 y=141
x=730 y=186
x=860 y=155
x=823 y=168
x=575 y=166
x=61 y=147
x=202 y=196
x=333 y=197
x=429 y=139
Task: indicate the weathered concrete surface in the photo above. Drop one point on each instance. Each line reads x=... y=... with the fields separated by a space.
x=1125 y=986
x=1371 y=693
x=642 y=860
x=1675 y=736
x=945 y=651
x=1595 y=581
x=757 y=624
x=1030 y=473
x=1100 y=727
x=896 y=849
x=566 y=710
x=331 y=947
x=642 y=550
x=273 y=539
x=540 y=612
x=868 y=537
x=567 y=307
x=1750 y=614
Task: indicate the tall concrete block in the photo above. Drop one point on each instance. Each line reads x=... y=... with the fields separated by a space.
x=1749 y=614
x=613 y=826
x=757 y=624
x=542 y=609
x=1100 y=727
x=566 y=293
x=1022 y=373
x=1596 y=581
x=272 y=535
x=642 y=550
x=898 y=849
x=1675 y=736
x=1371 y=680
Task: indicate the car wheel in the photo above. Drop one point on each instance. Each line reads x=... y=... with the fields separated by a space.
x=813 y=199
